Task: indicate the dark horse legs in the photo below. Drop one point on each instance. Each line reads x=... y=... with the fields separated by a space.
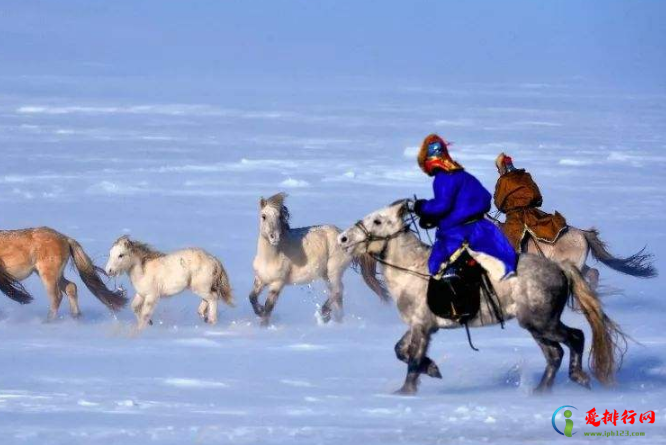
x=412 y=349
x=549 y=340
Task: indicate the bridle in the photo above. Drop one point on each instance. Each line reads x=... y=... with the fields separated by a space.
x=371 y=237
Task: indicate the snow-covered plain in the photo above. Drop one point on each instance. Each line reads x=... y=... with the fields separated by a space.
x=176 y=172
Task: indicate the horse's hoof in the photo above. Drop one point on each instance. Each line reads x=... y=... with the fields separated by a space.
x=150 y=322
x=433 y=371
x=542 y=389
x=325 y=317
x=582 y=379
x=77 y=315
x=258 y=310
x=265 y=322
x=406 y=390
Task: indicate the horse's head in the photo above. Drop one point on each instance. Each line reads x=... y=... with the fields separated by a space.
x=370 y=233
x=273 y=218
x=119 y=257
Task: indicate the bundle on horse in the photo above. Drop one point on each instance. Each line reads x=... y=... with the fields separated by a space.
x=536 y=296
x=47 y=252
x=287 y=255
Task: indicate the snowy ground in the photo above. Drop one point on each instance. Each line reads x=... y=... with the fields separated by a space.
x=81 y=157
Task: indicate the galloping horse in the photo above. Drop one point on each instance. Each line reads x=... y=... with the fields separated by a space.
x=155 y=274
x=576 y=244
x=299 y=256
x=535 y=296
x=45 y=251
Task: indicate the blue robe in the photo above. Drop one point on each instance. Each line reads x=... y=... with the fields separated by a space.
x=459 y=207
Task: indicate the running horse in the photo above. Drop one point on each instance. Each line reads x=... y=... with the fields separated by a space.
x=287 y=255
x=46 y=252
x=535 y=296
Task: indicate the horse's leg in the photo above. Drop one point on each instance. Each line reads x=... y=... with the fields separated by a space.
x=428 y=366
x=203 y=309
x=147 y=309
x=416 y=351
x=271 y=300
x=212 y=310
x=257 y=287
x=553 y=352
x=137 y=304
x=333 y=303
x=50 y=276
x=575 y=341
x=68 y=288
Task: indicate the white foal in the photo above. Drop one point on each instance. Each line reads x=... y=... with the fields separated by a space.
x=155 y=274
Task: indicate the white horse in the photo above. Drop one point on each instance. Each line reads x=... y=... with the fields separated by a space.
x=575 y=245
x=300 y=256
x=155 y=274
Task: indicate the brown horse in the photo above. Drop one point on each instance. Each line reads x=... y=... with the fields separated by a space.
x=47 y=252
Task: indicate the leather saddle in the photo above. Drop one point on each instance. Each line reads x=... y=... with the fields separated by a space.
x=458 y=298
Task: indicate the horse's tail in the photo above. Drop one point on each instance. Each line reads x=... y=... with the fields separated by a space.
x=221 y=286
x=13 y=288
x=368 y=265
x=90 y=275
x=608 y=340
x=636 y=265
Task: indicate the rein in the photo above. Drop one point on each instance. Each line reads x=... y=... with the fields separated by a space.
x=370 y=237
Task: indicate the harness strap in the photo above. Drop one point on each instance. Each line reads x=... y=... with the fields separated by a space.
x=469 y=338
x=493 y=298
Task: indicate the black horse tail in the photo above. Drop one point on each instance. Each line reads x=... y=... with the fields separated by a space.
x=637 y=265
x=13 y=288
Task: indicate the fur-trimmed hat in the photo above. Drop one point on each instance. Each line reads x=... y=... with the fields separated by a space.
x=434 y=154
x=504 y=163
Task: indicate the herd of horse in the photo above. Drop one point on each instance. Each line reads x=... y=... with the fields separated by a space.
x=548 y=276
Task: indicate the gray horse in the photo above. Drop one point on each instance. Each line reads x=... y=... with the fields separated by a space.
x=535 y=296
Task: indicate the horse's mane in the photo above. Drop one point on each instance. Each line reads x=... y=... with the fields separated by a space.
x=143 y=251
x=277 y=202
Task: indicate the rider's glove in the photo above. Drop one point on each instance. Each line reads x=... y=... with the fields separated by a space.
x=427 y=223
x=418 y=206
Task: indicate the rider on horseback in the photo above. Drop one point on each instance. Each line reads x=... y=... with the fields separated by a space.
x=458 y=211
x=518 y=196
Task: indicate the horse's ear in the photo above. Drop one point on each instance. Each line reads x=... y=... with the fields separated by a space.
x=402 y=207
x=402 y=211
x=262 y=203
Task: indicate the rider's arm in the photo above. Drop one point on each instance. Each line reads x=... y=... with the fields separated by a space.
x=499 y=194
x=445 y=188
x=537 y=199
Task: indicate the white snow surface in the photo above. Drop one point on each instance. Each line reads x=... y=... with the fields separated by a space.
x=177 y=173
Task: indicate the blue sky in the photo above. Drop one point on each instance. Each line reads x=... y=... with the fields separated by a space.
x=613 y=43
